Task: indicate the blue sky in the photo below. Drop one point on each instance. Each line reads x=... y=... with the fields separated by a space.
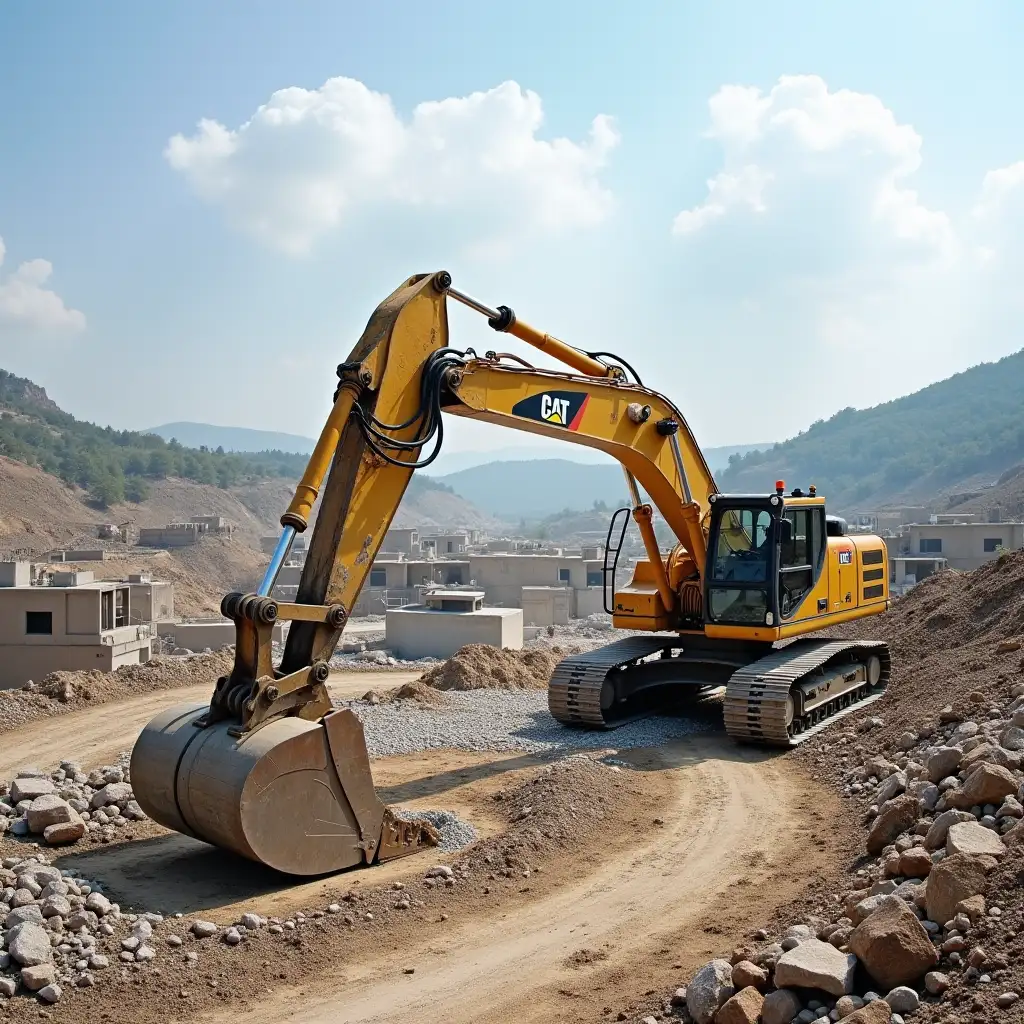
x=850 y=250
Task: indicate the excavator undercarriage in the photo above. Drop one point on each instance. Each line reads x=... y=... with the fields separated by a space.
x=271 y=770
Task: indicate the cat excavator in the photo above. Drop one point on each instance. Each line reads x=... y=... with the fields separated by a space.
x=271 y=770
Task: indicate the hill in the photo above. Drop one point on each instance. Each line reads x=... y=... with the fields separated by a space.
x=232 y=439
x=958 y=435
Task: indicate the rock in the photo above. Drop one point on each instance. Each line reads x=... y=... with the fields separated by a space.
x=903 y=1000
x=973 y=909
x=48 y=810
x=894 y=818
x=1012 y=738
x=745 y=974
x=710 y=988
x=1006 y=1000
x=875 y=1012
x=204 y=929
x=29 y=944
x=816 y=964
x=30 y=789
x=893 y=945
x=942 y=762
x=987 y=784
x=892 y=786
x=8 y=986
x=51 y=993
x=936 y=837
x=954 y=878
x=1011 y=807
x=99 y=961
x=935 y=983
x=742 y=1008
x=65 y=832
x=845 y=1005
x=971 y=838
x=915 y=863
x=29 y=912
x=39 y=976
x=113 y=793
x=55 y=906
x=780 y=1007
x=82 y=919
x=98 y=904
x=144 y=954
x=907 y=740
x=253 y=922
x=232 y=936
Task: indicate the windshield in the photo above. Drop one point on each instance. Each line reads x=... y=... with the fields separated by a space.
x=742 y=549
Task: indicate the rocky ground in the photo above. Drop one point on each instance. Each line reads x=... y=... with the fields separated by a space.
x=927 y=921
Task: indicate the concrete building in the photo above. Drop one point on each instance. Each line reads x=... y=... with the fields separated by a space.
x=88 y=555
x=212 y=633
x=173 y=535
x=399 y=541
x=151 y=600
x=395 y=582
x=443 y=545
x=547 y=606
x=214 y=524
x=964 y=546
x=503 y=577
x=83 y=624
x=906 y=571
x=448 y=620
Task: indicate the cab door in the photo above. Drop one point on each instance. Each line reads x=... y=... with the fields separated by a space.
x=842 y=583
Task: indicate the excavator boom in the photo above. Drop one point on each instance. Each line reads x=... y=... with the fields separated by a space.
x=270 y=769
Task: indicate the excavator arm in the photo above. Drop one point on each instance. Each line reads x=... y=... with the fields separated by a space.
x=270 y=738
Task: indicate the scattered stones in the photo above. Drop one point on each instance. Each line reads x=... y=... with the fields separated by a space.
x=780 y=1007
x=954 y=878
x=939 y=830
x=39 y=976
x=204 y=929
x=970 y=838
x=896 y=817
x=29 y=944
x=903 y=1000
x=987 y=784
x=893 y=945
x=746 y=975
x=742 y=1008
x=935 y=983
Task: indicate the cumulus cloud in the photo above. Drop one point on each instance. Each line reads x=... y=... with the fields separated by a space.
x=309 y=161
x=25 y=301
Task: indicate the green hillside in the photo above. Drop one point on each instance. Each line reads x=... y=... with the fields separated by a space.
x=913 y=448
x=115 y=465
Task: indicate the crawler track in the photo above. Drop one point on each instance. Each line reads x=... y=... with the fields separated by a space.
x=756 y=696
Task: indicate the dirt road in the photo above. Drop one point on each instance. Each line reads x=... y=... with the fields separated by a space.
x=97 y=735
x=736 y=820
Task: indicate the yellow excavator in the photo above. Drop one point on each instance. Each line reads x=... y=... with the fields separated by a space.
x=271 y=770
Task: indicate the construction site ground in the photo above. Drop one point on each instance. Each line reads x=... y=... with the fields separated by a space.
x=660 y=852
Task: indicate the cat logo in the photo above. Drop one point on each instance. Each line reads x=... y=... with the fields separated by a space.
x=559 y=408
x=846 y=557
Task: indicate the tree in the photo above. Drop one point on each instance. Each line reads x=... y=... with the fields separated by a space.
x=136 y=489
x=107 y=490
x=159 y=465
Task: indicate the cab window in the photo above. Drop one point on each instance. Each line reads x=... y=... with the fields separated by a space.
x=742 y=550
x=802 y=545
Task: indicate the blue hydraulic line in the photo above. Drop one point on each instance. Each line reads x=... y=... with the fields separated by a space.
x=284 y=545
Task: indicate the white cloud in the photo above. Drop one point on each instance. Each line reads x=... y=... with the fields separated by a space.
x=25 y=302
x=309 y=161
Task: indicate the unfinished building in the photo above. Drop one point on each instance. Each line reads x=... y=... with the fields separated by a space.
x=75 y=623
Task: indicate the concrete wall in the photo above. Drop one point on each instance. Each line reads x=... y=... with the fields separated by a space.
x=151 y=602
x=419 y=632
x=502 y=577
x=178 y=536
x=589 y=601
x=15 y=574
x=963 y=544
x=401 y=541
x=547 y=606
x=197 y=636
x=96 y=555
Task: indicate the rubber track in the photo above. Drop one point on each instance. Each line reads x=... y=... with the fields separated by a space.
x=755 y=696
x=574 y=691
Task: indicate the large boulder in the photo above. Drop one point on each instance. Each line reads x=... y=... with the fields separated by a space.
x=745 y=974
x=942 y=763
x=29 y=944
x=743 y=1008
x=65 y=832
x=915 y=863
x=893 y=945
x=710 y=989
x=974 y=839
x=935 y=838
x=987 y=784
x=46 y=810
x=816 y=964
x=29 y=789
x=895 y=818
x=780 y=1007
x=113 y=793
x=954 y=878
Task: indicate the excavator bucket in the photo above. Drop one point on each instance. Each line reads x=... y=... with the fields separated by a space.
x=294 y=795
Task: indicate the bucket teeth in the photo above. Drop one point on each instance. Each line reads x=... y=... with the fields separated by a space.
x=400 y=836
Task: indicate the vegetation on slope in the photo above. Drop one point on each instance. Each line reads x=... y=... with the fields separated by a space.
x=921 y=444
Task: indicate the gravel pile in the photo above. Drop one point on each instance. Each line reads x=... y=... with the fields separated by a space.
x=483 y=667
x=63 y=806
x=454 y=833
x=500 y=720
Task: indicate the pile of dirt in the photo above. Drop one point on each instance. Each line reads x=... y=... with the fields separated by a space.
x=416 y=690
x=955 y=634
x=482 y=667
x=60 y=693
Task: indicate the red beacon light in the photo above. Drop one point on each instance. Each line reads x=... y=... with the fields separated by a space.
x=780 y=486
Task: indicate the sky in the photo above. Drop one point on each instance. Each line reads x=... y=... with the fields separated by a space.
x=773 y=211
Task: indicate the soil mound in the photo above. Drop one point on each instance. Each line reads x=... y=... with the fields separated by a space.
x=417 y=690
x=62 y=692
x=482 y=667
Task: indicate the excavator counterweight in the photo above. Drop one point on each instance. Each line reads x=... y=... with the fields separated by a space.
x=271 y=770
